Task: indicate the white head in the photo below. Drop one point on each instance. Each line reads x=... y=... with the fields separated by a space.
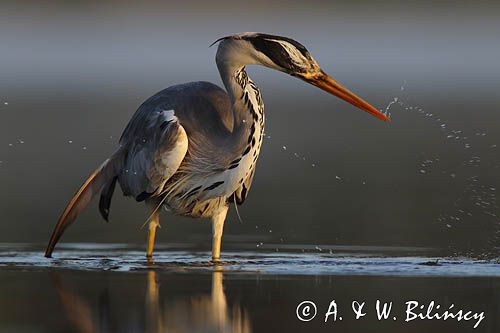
x=285 y=55
x=276 y=52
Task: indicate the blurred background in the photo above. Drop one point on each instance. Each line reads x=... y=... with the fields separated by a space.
x=73 y=73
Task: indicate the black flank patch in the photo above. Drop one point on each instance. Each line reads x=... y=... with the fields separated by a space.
x=233 y=166
x=254 y=115
x=246 y=151
x=204 y=209
x=252 y=131
x=193 y=191
x=214 y=185
x=236 y=160
x=243 y=192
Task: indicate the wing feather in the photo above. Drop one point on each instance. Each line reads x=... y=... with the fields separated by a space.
x=157 y=150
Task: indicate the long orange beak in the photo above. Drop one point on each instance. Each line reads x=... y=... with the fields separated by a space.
x=325 y=82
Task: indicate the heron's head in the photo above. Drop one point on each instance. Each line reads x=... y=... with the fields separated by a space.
x=288 y=56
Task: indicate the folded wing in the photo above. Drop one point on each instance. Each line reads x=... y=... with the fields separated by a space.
x=156 y=144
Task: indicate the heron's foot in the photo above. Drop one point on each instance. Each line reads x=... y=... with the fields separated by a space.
x=215 y=260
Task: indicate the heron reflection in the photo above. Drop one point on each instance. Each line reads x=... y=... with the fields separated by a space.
x=161 y=312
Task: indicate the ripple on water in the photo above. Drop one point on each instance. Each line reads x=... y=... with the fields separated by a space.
x=380 y=261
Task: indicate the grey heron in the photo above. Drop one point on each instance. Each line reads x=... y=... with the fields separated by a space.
x=193 y=147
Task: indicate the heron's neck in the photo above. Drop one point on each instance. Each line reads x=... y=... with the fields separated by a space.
x=246 y=100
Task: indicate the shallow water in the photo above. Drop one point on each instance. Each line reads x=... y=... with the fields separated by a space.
x=269 y=259
x=111 y=288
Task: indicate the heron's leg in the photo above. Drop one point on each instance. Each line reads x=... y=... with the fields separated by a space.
x=217 y=228
x=153 y=223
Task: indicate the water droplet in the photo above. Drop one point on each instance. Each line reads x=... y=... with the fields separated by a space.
x=70 y=141
x=284 y=147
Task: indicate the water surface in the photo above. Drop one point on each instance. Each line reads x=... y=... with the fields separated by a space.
x=111 y=288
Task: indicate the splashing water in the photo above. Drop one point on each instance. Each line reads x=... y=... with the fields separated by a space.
x=387 y=112
x=295 y=154
x=477 y=198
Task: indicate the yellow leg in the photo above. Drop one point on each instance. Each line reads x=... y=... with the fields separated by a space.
x=152 y=225
x=217 y=228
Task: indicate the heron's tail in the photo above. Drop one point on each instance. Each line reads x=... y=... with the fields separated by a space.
x=103 y=175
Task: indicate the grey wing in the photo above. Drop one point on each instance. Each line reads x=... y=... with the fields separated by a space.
x=156 y=144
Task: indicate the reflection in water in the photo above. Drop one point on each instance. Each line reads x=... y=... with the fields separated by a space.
x=207 y=313
x=77 y=310
x=154 y=322
x=181 y=299
x=200 y=313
